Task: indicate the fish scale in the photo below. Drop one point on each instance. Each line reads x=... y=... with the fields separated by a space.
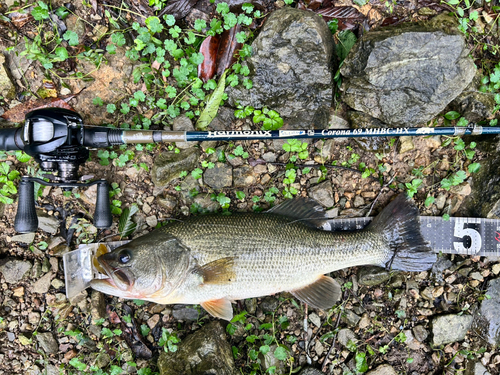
x=272 y=252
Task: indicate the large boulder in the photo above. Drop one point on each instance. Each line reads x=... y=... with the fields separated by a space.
x=487 y=321
x=291 y=68
x=406 y=75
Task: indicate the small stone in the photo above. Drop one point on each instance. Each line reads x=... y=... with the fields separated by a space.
x=146 y=208
x=476 y=276
x=152 y=221
x=269 y=304
x=365 y=322
x=11 y=336
x=218 y=177
x=358 y=201
x=345 y=335
x=98 y=306
x=57 y=284
x=496 y=268
x=383 y=370
x=19 y=292
x=420 y=333
x=183 y=123
x=185 y=313
x=323 y=194
x=315 y=319
x=251 y=305
x=371 y=276
x=450 y=328
x=33 y=318
x=54 y=264
x=406 y=145
x=350 y=318
x=47 y=342
x=102 y=360
x=270 y=157
x=243 y=176
x=47 y=223
x=153 y=321
x=319 y=348
x=26 y=238
x=42 y=285
x=14 y=270
x=24 y=340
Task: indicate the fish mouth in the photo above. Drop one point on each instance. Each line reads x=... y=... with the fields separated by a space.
x=116 y=277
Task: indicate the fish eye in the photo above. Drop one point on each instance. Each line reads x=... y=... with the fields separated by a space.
x=124 y=256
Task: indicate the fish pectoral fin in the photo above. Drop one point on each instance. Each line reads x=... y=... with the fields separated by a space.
x=220 y=271
x=322 y=294
x=220 y=308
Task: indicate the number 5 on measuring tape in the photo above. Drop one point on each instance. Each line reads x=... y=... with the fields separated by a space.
x=475 y=238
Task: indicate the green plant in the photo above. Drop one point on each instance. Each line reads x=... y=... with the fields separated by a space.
x=7 y=178
x=295 y=145
x=270 y=119
x=289 y=191
x=168 y=340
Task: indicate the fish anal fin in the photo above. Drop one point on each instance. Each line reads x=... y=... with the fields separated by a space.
x=219 y=308
x=322 y=294
x=220 y=271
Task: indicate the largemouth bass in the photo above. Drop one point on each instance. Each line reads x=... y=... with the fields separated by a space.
x=215 y=259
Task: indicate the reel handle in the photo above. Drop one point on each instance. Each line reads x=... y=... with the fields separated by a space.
x=26 y=220
x=102 y=215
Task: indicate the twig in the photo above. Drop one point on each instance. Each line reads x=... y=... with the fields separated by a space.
x=306 y=335
x=378 y=196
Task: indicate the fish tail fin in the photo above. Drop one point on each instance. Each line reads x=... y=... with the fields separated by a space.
x=399 y=224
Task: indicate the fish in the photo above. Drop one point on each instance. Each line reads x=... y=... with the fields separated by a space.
x=213 y=260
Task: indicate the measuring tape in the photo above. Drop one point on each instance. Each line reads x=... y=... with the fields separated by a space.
x=459 y=235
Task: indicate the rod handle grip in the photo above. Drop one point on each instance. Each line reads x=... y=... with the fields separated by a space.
x=26 y=220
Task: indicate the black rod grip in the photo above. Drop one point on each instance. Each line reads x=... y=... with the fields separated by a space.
x=102 y=215
x=10 y=139
x=26 y=219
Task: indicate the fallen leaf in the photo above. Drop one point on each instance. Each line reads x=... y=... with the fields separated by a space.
x=19 y=112
x=212 y=105
x=349 y=17
x=178 y=8
x=133 y=337
x=209 y=49
x=20 y=19
x=228 y=47
x=113 y=316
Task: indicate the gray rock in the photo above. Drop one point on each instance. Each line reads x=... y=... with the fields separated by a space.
x=383 y=370
x=438 y=268
x=270 y=157
x=98 y=306
x=7 y=89
x=168 y=166
x=13 y=270
x=310 y=371
x=360 y=120
x=251 y=305
x=204 y=352
x=289 y=44
x=450 y=328
x=269 y=360
x=47 y=342
x=26 y=238
x=243 y=176
x=371 y=275
x=223 y=120
x=405 y=75
x=206 y=203
x=475 y=106
x=10 y=336
x=315 y=319
x=269 y=304
x=345 y=335
x=488 y=320
x=350 y=318
x=323 y=194
x=358 y=201
x=42 y=285
x=102 y=360
x=189 y=188
x=183 y=123
x=185 y=313
x=48 y=223
x=476 y=368
x=218 y=177
x=420 y=333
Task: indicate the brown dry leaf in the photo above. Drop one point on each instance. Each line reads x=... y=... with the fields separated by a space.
x=228 y=47
x=209 y=49
x=19 y=112
x=349 y=17
x=178 y=8
x=20 y=19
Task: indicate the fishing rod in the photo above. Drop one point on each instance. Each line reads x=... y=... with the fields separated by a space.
x=59 y=141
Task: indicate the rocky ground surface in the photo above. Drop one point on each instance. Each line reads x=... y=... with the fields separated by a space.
x=439 y=321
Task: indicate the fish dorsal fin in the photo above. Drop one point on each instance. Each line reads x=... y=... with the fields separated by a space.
x=305 y=210
x=322 y=294
x=220 y=308
x=220 y=271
